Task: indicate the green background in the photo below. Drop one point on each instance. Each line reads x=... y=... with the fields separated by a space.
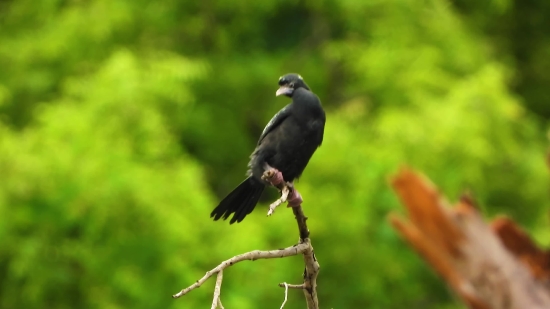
x=124 y=122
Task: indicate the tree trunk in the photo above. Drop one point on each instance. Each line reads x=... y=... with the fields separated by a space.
x=492 y=266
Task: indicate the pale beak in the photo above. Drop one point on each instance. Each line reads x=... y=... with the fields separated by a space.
x=284 y=90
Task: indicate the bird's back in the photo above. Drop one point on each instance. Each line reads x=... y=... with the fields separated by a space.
x=290 y=145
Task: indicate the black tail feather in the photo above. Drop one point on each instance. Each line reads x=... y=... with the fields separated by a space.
x=240 y=202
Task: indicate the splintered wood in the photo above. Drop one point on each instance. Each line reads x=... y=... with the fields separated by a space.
x=489 y=267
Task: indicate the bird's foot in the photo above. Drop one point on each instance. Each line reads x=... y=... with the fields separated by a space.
x=294 y=198
x=273 y=176
x=288 y=192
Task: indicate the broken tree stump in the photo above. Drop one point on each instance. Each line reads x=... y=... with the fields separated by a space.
x=493 y=266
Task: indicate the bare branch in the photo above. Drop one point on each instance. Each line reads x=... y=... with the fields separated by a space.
x=217 y=290
x=284 y=195
x=286 y=294
x=304 y=247
x=312 y=266
x=251 y=256
x=292 y=286
x=310 y=276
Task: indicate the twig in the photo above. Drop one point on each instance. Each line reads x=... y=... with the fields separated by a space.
x=301 y=220
x=284 y=196
x=286 y=294
x=217 y=290
x=310 y=276
x=252 y=256
x=292 y=286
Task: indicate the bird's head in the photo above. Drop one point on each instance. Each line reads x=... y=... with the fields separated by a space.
x=289 y=83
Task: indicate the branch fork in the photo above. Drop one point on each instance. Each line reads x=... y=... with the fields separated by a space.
x=309 y=286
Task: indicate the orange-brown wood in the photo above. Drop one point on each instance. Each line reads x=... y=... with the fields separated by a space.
x=489 y=266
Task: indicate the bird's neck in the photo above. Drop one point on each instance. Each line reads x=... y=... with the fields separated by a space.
x=306 y=102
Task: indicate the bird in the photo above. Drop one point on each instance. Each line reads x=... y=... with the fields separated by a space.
x=286 y=145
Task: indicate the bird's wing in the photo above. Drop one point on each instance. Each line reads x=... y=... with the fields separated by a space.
x=322 y=131
x=275 y=122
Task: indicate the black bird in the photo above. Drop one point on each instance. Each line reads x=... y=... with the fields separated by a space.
x=286 y=144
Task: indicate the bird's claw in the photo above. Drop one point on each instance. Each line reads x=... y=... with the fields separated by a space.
x=273 y=176
x=289 y=194
x=294 y=198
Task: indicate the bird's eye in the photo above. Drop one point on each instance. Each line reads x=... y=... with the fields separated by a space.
x=291 y=85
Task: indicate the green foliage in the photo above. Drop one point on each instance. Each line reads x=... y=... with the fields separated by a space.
x=123 y=122
x=92 y=205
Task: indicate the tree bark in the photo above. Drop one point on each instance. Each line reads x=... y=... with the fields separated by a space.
x=493 y=266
